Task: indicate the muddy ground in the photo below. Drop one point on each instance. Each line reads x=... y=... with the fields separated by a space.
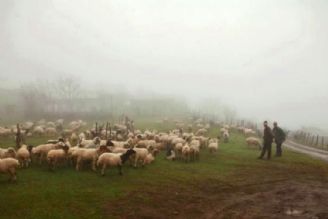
x=214 y=199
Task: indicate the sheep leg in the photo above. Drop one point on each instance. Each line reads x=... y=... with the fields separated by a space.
x=120 y=170
x=135 y=161
x=103 y=169
x=12 y=173
x=94 y=165
x=78 y=161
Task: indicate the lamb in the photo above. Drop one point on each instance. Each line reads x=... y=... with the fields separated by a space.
x=23 y=155
x=253 y=141
x=9 y=165
x=111 y=159
x=56 y=155
x=6 y=153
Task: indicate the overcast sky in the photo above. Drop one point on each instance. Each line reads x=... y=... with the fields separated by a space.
x=266 y=58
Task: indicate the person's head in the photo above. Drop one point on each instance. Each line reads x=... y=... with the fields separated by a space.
x=265 y=123
x=275 y=124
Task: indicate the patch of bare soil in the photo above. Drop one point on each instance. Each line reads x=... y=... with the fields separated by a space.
x=215 y=199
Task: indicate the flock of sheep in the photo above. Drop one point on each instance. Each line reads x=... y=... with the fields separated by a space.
x=101 y=148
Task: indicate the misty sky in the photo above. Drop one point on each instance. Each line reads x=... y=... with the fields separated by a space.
x=267 y=59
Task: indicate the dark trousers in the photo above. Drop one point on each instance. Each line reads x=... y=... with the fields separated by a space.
x=266 y=148
x=279 y=150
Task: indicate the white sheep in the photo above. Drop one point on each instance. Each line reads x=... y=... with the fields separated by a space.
x=149 y=159
x=213 y=145
x=9 y=166
x=186 y=152
x=38 y=130
x=112 y=159
x=90 y=143
x=8 y=152
x=88 y=154
x=56 y=155
x=171 y=156
x=226 y=136
x=248 y=132
x=42 y=150
x=253 y=141
x=23 y=155
x=140 y=156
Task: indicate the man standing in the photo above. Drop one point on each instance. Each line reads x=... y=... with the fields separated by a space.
x=267 y=141
x=279 y=138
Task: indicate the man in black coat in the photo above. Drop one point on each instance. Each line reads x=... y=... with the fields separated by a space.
x=279 y=138
x=267 y=141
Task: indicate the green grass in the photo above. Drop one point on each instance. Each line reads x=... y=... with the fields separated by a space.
x=66 y=193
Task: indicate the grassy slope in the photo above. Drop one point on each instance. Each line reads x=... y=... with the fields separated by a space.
x=66 y=193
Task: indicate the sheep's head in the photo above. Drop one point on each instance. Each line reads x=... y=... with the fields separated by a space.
x=103 y=149
x=96 y=140
x=11 y=153
x=127 y=154
x=109 y=143
x=29 y=148
x=65 y=147
x=155 y=152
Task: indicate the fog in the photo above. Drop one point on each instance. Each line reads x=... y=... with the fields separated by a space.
x=267 y=59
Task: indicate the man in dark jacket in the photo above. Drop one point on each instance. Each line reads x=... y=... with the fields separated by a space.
x=279 y=138
x=267 y=141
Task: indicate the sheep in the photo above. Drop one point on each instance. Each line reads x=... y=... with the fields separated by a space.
x=90 y=143
x=6 y=153
x=88 y=154
x=43 y=149
x=253 y=141
x=56 y=155
x=194 y=149
x=38 y=130
x=50 y=131
x=121 y=144
x=222 y=131
x=149 y=159
x=178 y=150
x=9 y=165
x=213 y=145
x=186 y=152
x=140 y=156
x=226 y=136
x=23 y=155
x=5 y=132
x=74 y=139
x=171 y=156
x=248 y=132
x=111 y=159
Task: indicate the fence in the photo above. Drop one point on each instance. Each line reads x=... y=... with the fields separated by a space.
x=310 y=139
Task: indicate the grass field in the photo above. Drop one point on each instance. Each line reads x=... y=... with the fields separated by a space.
x=229 y=184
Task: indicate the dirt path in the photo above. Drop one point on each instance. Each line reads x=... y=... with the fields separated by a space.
x=313 y=152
